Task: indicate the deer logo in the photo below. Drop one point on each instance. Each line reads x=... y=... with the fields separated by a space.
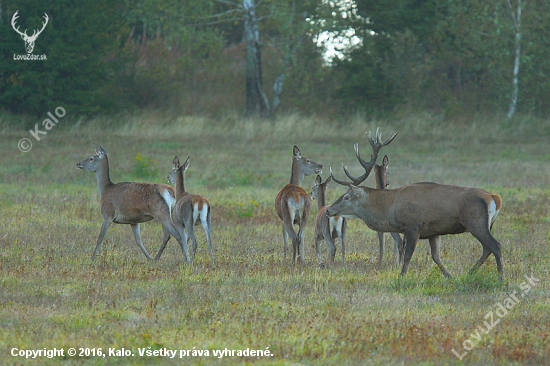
x=29 y=40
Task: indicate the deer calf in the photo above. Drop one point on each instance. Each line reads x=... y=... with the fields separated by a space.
x=130 y=203
x=293 y=204
x=327 y=228
x=189 y=210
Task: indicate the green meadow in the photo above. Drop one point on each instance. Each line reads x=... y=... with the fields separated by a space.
x=52 y=296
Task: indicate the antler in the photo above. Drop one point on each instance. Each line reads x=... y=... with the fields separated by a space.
x=35 y=34
x=376 y=145
x=24 y=34
x=13 y=19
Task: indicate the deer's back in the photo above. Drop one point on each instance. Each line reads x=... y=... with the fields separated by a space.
x=134 y=199
x=292 y=197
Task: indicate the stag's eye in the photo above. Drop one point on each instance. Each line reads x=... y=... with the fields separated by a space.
x=308 y=161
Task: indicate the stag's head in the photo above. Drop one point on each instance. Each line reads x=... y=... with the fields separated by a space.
x=29 y=40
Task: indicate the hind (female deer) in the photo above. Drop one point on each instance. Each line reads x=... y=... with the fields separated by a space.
x=130 y=203
x=327 y=228
x=189 y=211
x=381 y=177
x=293 y=204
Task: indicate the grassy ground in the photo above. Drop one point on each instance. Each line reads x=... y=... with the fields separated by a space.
x=53 y=296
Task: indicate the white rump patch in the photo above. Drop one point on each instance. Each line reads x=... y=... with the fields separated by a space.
x=492 y=212
x=170 y=201
x=202 y=213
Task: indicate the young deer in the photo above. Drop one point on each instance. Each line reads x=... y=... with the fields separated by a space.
x=130 y=203
x=188 y=210
x=381 y=173
x=327 y=228
x=425 y=211
x=293 y=204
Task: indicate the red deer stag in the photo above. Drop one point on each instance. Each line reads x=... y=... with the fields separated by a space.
x=189 y=210
x=425 y=211
x=130 y=203
x=327 y=228
x=293 y=204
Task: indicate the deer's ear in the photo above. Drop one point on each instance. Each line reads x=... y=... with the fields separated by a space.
x=357 y=191
x=296 y=152
x=328 y=180
x=186 y=164
x=385 y=161
x=318 y=179
x=102 y=150
x=176 y=162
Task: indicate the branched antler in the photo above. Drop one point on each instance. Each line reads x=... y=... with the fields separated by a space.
x=376 y=145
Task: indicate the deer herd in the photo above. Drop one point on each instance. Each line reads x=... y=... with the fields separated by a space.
x=417 y=211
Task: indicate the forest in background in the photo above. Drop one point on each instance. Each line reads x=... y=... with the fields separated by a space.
x=256 y=57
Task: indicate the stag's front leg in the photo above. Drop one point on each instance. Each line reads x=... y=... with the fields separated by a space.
x=411 y=238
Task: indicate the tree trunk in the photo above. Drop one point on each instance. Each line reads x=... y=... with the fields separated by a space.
x=255 y=98
x=516 y=20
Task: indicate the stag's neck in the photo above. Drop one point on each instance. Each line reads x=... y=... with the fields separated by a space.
x=297 y=175
x=374 y=211
x=103 y=178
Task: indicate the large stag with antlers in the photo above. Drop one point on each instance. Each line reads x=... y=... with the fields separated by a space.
x=130 y=203
x=189 y=211
x=29 y=40
x=424 y=211
x=293 y=204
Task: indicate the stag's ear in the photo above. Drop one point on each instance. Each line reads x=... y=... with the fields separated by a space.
x=318 y=179
x=102 y=150
x=328 y=180
x=296 y=152
x=357 y=191
x=176 y=162
x=186 y=164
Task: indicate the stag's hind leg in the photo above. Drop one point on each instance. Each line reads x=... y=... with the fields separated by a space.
x=490 y=245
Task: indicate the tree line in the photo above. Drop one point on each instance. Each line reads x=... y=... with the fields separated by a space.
x=261 y=57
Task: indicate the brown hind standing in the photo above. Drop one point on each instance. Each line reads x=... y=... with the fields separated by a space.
x=130 y=203
x=327 y=228
x=189 y=211
x=293 y=204
x=381 y=177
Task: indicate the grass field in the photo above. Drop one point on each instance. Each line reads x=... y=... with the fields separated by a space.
x=53 y=296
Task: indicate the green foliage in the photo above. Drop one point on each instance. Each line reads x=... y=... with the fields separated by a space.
x=145 y=167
